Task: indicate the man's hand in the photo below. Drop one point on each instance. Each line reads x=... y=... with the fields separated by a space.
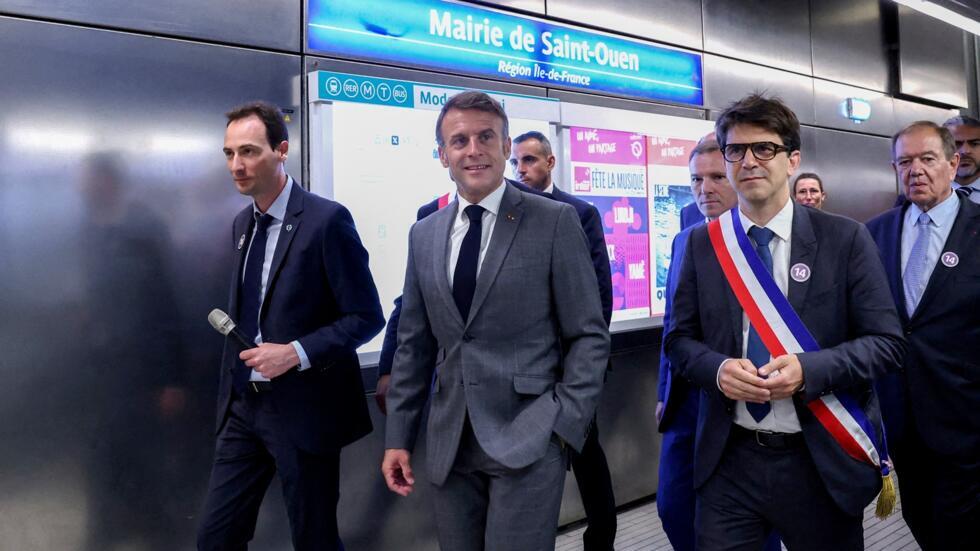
x=270 y=360
x=739 y=380
x=785 y=376
x=660 y=411
x=381 y=393
x=398 y=471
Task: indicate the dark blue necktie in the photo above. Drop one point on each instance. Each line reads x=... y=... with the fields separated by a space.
x=464 y=276
x=757 y=352
x=251 y=295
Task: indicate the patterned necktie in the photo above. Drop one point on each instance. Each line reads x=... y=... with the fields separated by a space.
x=464 y=276
x=756 y=351
x=251 y=296
x=914 y=279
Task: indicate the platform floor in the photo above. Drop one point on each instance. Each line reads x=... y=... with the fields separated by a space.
x=640 y=530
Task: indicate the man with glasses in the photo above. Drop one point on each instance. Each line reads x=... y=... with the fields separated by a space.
x=764 y=460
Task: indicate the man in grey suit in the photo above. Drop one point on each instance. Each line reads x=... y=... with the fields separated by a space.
x=502 y=331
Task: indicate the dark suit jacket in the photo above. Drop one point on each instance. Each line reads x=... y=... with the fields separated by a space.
x=321 y=293
x=673 y=390
x=691 y=216
x=847 y=308
x=591 y=222
x=938 y=385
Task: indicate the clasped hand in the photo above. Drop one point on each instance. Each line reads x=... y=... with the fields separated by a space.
x=778 y=379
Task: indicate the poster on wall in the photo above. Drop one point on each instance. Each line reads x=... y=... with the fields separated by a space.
x=609 y=169
x=669 y=180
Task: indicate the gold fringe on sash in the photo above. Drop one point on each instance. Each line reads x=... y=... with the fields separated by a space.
x=887 y=497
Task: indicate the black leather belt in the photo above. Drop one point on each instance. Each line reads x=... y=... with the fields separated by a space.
x=259 y=386
x=768 y=439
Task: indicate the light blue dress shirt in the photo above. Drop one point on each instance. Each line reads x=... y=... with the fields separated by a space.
x=278 y=213
x=975 y=194
x=943 y=215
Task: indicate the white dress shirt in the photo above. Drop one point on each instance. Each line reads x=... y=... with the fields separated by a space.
x=278 y=212
x=491 y=205
x=943 y=215
x=782 y=417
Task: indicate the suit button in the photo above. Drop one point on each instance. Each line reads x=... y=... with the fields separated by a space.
x=467 y=337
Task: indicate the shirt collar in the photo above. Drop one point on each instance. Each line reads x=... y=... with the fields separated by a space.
x=781 y=224
x=490 y=202
x=278 y=208
x=550 y=189
x=941 y=214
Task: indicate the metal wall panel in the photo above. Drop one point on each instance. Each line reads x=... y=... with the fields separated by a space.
x=848 y=42
x=770 y=32
x=907 y=112
x=726 y=80
x=673 y=21
x=856 y=172
x=828 y=97
x=263 y=23
x=931 y=59
x=115 y=217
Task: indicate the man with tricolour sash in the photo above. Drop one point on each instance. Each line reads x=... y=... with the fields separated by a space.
x=783 y=318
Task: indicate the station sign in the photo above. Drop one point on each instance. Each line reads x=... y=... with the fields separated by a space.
x=473 y=40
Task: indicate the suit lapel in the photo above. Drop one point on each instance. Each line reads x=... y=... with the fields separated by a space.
x=243 y=227
x=958 y=242
x=504 y=230
x=289 y=229
x=443 y=225
x=803 y=251
x=892 y=258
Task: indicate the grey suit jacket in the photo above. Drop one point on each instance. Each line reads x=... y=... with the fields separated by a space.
x=530 y=359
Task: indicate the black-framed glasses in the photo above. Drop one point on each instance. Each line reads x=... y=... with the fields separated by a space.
x=762 y=151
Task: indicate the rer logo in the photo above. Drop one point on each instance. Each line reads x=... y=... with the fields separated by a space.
x=350 y=88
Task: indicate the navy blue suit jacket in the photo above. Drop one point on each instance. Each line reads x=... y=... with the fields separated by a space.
x=691 y=215
x=847 y=307
x=591 y=224
x=672 y=390
x=938 y=385
x=321 y=293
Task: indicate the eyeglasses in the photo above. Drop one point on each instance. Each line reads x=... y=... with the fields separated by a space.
x=762 y=151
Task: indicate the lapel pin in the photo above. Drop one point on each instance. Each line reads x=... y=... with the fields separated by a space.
x=289 y=227
x=511 y=217
x=241 y=242
x=800 y=272
x=950 y=259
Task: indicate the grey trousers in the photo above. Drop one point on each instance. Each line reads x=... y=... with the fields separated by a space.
x=485 y=506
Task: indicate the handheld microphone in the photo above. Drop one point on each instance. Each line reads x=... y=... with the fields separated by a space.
x=223 y=324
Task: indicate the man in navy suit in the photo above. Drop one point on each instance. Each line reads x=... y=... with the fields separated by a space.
x=533 y=161
x=929 y=248
x=691 y=215
x=762 y=459
x=677 y=405
x=303 y=289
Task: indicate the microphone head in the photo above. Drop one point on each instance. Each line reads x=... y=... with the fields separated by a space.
x=221 y=322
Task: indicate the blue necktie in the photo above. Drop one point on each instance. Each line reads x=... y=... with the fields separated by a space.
x=914 y=279
x=251 y=296
x=464 y=275
x=756 y=351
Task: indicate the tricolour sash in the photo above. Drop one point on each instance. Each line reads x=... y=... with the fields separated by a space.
x=783 y=332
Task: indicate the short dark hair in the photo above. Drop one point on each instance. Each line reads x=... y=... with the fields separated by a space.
x=270 y=115
x=949 y=145
x=535 y=135
x=962 y=120
x=808 y=176
x=471 y=100
x=704 y=146
x=757 y=110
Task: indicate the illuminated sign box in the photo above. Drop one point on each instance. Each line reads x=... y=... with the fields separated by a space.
x=480 y=41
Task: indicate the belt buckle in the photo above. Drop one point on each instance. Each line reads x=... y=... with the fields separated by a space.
x=759 y=441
